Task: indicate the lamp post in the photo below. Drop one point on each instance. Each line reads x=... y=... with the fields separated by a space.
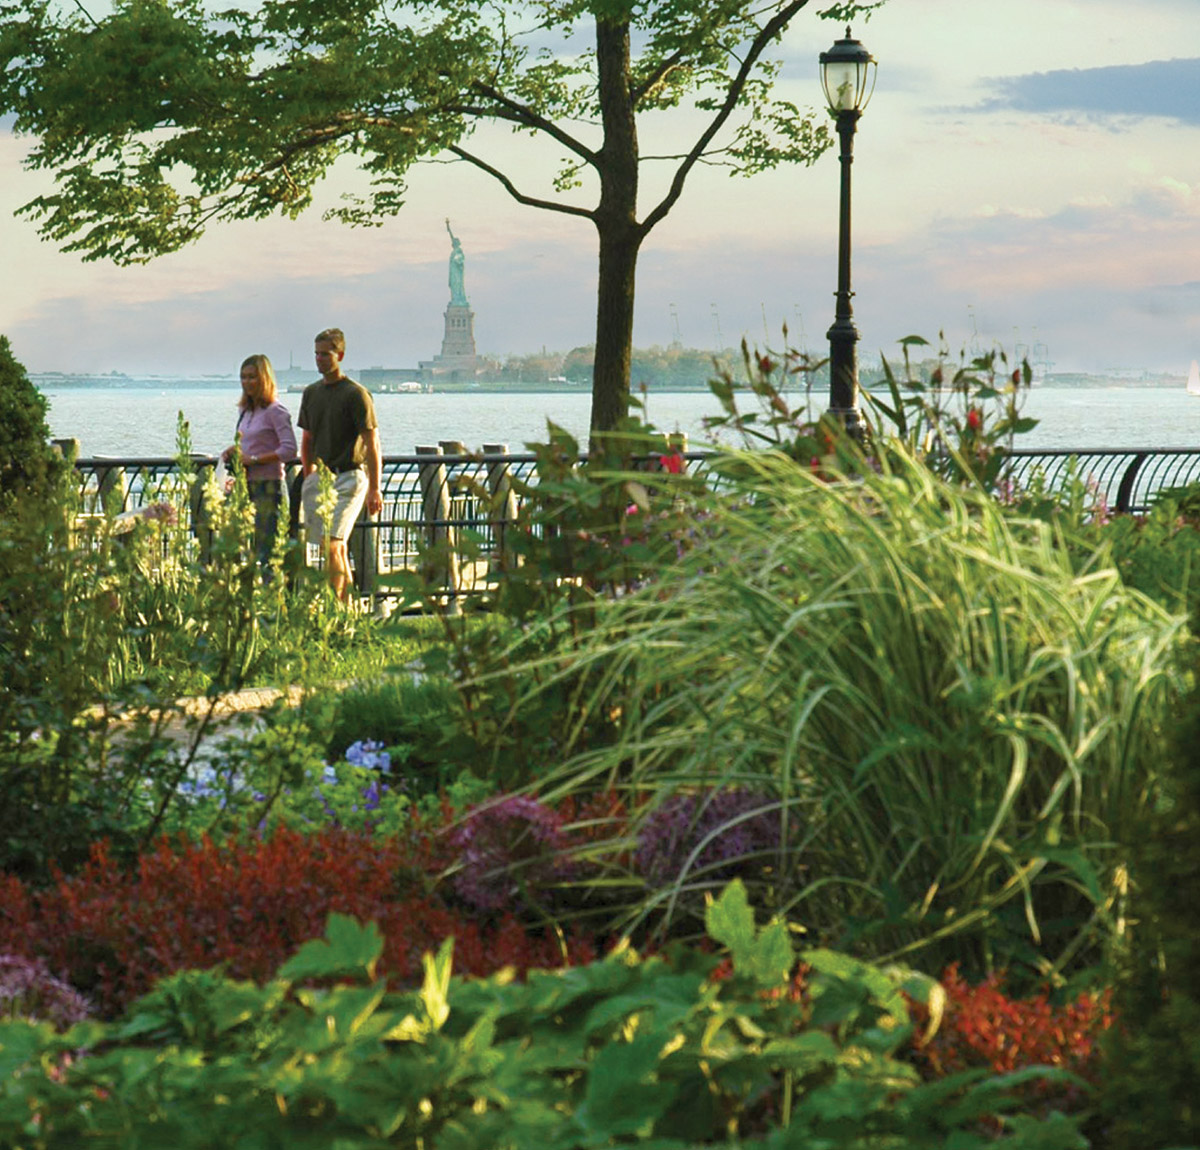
x=848 y=77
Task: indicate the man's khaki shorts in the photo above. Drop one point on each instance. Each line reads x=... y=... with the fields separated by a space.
x=351 y=490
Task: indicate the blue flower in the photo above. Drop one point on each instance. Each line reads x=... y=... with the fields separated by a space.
x=369 y=754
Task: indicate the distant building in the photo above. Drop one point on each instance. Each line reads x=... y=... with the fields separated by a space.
x=391 y=378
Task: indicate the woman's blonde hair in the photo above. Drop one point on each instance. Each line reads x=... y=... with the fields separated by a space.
x=268 y=388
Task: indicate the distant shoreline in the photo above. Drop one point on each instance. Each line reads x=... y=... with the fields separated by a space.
x=55 y=381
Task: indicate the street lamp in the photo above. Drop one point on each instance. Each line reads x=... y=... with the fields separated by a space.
x=848 y=77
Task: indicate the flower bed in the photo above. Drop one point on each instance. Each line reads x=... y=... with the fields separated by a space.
x=249 y=903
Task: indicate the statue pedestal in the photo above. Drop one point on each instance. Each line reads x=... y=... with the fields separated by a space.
x=458 y=357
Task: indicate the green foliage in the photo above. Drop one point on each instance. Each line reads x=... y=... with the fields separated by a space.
x=107 y=620
x=391 y=92
x=964 y=420
x=63 y=644
x=961 y=422
x=1151 y=1088
x=957 y=716
x=414 y=718
x=628 y=1051
x=1159 y=553
x=27 y=462
x=584 y=534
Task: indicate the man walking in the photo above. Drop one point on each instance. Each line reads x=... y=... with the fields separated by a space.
x=337 y=419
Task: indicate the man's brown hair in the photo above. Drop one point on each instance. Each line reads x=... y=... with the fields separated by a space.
x=334 y=336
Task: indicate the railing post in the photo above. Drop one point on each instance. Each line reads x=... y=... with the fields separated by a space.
x=503 y=510
x=363 y=546
x=108 y=480
x=435 y=513
x=459 y=510
x=201 y=513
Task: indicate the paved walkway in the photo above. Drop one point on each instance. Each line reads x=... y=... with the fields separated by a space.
x=180 y=725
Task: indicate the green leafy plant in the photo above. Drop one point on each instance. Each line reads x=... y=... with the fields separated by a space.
x=27 y=461
x=667 y=1052
x=1151 y=1082
x=964 y=419
x=586 y=534
x=413 y=717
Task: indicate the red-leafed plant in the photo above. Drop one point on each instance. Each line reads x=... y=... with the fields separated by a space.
x=249 y=903
x=983 y=1027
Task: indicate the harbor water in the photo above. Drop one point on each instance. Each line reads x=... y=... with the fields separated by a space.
x=138 y=418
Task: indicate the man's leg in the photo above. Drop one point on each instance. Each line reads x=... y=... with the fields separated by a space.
x=337 y=563
x=351 y=487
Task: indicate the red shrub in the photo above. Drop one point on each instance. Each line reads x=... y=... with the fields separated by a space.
x=983 y=1027
x=249 y=904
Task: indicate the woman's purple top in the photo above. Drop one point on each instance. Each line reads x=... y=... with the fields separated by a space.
x=265 y=430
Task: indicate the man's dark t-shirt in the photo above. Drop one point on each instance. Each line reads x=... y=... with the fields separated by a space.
x=337 y=415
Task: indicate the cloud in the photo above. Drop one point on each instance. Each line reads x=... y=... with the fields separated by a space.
x=1166 y=88
x=1172 y=301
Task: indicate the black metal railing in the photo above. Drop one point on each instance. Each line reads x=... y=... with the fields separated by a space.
x=1126 y=479
x=431 y=496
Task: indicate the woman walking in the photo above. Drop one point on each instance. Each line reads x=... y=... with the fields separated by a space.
x=267 y=442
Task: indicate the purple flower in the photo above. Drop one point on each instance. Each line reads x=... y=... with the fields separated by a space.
x=373 y=795
x=735 y=826
x=29 y=990
x=506 y=849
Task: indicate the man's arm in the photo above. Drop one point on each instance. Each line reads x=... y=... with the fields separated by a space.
x=374 y=471
x=306 y=459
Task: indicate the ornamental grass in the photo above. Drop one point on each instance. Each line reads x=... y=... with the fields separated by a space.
x=957 y=718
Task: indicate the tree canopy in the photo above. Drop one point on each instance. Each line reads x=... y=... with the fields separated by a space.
x=159 y=117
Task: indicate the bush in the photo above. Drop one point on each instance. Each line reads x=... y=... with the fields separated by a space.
x=625 y=1051
x=411 y=717
x=1159 y=553
x=981 y=1026
x=27 y=461
x=247 y=903
x=1151 y=1088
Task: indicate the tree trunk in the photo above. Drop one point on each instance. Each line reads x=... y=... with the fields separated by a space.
x=620 y=235
x=614 y=329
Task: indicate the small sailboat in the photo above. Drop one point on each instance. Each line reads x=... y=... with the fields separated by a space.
x=1193 y=383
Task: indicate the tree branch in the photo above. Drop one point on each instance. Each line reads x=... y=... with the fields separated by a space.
x=637 y=93
x=515 y=112
x=510 y=187
x=344 y=124
x=766 y=34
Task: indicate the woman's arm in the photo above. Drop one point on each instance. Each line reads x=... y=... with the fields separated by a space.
x=281 y=422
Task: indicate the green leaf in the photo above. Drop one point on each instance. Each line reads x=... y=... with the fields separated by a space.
x=623 y=1095
x=435 y=989
x=21 y=1044
x=730 y=921
x=772 y=957
x=347 y=1008
x=347 y=949
x=765 y=956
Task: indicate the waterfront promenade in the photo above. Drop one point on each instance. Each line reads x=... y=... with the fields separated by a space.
x=439 y=491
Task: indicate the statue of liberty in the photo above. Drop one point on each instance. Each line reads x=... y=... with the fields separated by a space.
x=458 y=295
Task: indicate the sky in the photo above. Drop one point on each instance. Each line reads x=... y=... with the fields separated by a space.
x=1026 y=176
